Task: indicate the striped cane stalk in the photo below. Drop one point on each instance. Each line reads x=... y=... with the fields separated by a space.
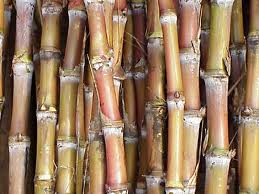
x=189 y=43
x=48 y=97
x=218 y=155
x=129 y=106
x=19 y=140
x=175 y=98
x=155 y=107
x=69 y=82
x=249 y=178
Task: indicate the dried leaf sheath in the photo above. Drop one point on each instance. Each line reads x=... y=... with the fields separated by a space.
x=19 y=140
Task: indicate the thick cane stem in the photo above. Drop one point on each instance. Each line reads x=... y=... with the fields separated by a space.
x=129 y=106
x=19 y=140
x=101 y=62
x=139 y=27
x=216 y=80
x=69 y=81
x=48 y=98
x=189 y=16
x=175 y=99
x=249 y=126
x=155 y=101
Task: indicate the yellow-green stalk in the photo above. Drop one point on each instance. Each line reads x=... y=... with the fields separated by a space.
x=47 y=99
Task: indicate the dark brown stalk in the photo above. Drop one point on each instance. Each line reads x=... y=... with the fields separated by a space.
x=155 y=104
x=2 y=25
x=218 y=155
x=189 y=43
x=130 y=108
x=19 y=140
x=249 y=171
x=139 y=26
x=48 y=97
x=112 y=125
x=69 y=81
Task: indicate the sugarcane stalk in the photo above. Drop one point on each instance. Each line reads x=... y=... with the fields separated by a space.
x=69 y=81
x=19 y=140
x=95 y=161
x=238 y=56
x=139 y=28
x=129 y=106
x=112 y=125
x=238 y=68
x=155 y=106
x=249 y=122
x=175 y=98
x=80 y=126
x=218 y=155
x=189 y=43
x=118 y=27
x=205 y=30
x=204 y=45
x=44 y=181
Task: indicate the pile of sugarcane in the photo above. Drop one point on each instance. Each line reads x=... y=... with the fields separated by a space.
x=117 y=96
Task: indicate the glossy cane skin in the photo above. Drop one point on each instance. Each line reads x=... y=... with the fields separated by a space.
x=100 y=58
x=69 y=82
x=81 y=133
x=249 y=124
x=238 y=68
x=130 y=108
x=189 y=31
x=175 y=99
x=218 y=155
x=19 y=141
x=48 y=98
x=95 y=161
